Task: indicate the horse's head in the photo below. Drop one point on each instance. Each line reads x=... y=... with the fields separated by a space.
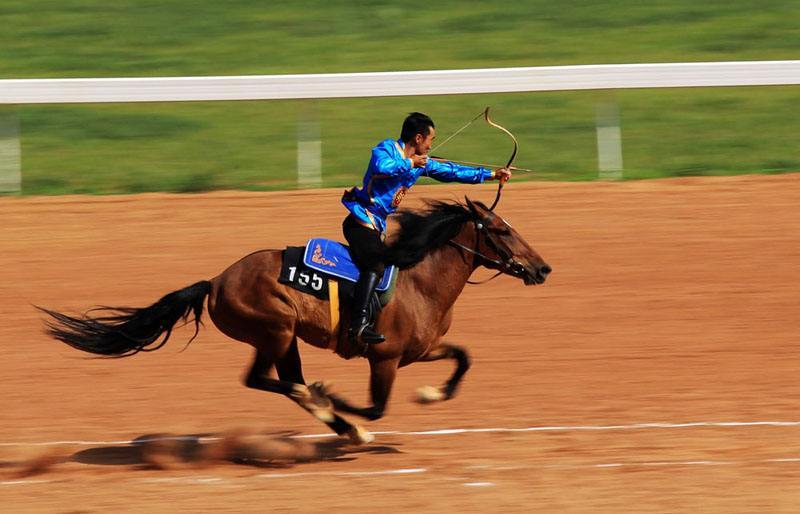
x=503 y=248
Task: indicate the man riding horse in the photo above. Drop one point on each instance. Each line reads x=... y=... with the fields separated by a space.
x=436 y=249
x=394 y=167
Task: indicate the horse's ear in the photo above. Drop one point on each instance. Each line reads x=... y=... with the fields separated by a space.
x=482 y=206
x=469 y=203
x=478 y=208
x=474 y=207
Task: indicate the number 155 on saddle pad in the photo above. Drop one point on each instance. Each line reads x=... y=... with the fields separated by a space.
x=309 y=268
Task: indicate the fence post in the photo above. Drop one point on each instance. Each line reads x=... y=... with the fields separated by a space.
x=309 y=146
x=609 y=140
x=10 y=154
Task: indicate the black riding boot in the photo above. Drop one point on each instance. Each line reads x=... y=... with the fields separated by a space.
x=360 y=329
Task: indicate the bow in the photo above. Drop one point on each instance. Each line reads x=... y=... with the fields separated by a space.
x=485 y=115
x=510 y=159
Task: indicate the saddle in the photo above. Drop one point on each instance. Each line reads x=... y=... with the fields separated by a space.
x=324 y=269
x=333 y=259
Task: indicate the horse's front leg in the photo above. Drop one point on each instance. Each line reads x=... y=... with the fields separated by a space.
x=382 y=375
x=430 y=394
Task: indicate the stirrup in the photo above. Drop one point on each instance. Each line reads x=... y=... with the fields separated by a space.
x=366 y=335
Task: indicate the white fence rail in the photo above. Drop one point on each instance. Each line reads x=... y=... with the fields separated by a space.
x=385 y=84
x=404 y=83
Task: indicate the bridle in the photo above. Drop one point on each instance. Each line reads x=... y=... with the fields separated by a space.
x=507 y=264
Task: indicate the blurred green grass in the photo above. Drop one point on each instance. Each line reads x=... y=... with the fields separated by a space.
x=115 y=148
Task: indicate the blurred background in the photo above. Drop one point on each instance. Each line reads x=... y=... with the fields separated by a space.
x=673 y=302
x=198 y=146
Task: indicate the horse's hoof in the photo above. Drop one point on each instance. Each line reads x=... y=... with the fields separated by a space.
x=314 y=401
x=359 y=436
x=430 y=394
x=321 y=388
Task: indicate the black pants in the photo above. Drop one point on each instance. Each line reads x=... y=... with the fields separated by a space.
x=366 y=246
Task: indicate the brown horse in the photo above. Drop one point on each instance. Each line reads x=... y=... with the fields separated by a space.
x=437 y=249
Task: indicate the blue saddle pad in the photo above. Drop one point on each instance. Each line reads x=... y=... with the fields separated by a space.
x=333 y=258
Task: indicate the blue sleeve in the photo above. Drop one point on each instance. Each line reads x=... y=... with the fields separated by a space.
x=387 y=162
x=452 y=172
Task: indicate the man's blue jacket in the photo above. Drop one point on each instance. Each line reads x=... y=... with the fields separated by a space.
x=390 y=174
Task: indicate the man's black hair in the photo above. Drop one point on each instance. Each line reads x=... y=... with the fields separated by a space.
x=415 y=123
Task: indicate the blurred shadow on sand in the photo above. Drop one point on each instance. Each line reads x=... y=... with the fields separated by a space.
x=275 y=450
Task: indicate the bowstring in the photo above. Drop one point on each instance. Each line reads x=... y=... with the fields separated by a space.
x=457 y=132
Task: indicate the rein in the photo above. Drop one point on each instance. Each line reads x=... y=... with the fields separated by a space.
x=493 y=261
x=508 y=265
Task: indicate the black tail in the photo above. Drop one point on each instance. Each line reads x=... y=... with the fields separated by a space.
x=126 y=331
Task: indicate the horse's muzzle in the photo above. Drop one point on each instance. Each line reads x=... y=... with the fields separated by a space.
x=537 y=274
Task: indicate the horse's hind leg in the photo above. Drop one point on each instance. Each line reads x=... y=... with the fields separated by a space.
x=289 y=367
x=292 y=385
x=429 y=394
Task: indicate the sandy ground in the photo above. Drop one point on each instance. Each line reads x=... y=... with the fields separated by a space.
x=671 y=302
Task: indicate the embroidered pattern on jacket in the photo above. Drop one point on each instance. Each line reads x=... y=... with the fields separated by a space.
x=398 y=196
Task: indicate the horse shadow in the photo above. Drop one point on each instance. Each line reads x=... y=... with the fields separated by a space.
x=280 y=450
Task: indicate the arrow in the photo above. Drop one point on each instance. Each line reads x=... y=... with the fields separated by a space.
x=469 y=163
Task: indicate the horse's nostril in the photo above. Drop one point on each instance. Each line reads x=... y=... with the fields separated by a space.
x=545 y=270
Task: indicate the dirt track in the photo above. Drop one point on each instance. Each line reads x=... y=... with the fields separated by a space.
x=671 y=301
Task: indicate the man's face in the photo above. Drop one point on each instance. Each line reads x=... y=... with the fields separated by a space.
x=422 y=144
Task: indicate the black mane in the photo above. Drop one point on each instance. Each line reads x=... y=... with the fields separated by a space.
x=421 y=232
